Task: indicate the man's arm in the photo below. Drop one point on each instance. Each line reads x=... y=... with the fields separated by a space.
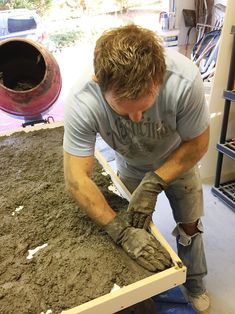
x=184 y=157
x=77 y=172
x=143 y=199
x=138 y=244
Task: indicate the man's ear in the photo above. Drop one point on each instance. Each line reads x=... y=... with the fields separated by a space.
x=94 y=78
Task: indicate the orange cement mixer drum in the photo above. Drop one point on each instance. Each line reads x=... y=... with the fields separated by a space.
x=30 y=79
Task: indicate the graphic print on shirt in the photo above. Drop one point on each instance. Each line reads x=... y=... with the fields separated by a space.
x=139 y=137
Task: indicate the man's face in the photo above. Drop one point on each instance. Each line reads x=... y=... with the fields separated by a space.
x=134 y=109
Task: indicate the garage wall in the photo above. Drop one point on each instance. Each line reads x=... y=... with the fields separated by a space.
x=216 y=102
x=180 y=5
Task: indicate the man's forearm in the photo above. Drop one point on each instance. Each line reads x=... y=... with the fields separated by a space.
x=77 y=173
x=90 y=198
x=184 y=157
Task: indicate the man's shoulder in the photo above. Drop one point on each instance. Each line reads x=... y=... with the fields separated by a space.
x=84 y=101
x=180 y=66
x=86 y=92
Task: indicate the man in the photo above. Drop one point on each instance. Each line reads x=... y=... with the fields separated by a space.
x=149 y=106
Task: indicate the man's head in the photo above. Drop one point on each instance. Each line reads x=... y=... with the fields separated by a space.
x=129 y=61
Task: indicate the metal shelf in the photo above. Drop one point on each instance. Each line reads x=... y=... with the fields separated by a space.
x=229 y=95
x=228 y=148
x=226 y=192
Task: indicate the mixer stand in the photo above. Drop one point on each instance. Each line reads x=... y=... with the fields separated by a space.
x=36 y=120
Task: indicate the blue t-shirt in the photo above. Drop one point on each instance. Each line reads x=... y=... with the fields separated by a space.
x=179 y=113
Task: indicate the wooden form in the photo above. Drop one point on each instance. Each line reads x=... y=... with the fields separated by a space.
x=140 y=290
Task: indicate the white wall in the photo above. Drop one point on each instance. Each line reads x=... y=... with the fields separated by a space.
x=224 y=2
x=216 y=102
x=180 y=5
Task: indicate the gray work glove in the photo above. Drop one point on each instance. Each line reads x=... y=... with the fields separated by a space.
x=140 y=245
x=143 y=200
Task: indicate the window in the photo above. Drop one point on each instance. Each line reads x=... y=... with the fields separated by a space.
x=21 y=24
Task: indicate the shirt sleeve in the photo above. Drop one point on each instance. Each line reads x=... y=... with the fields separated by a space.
x=192 y=112
x=79 y=129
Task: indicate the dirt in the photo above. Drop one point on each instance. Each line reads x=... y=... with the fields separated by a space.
x=77 y=262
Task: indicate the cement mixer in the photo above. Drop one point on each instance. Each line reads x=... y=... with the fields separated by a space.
x=30 y=80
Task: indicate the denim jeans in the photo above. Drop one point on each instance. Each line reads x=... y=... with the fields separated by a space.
x=186 y=200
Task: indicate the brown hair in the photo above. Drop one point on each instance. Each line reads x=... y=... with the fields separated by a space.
x=129 y=60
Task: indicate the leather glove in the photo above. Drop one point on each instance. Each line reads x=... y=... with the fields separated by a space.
x=140 y=245
x=143 y=200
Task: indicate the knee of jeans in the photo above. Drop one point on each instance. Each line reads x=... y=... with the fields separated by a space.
x=190 y=228
x=184 y=237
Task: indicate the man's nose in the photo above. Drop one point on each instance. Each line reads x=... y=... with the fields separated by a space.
x=136 y=117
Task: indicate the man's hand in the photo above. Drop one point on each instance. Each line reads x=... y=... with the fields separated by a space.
x=140 y=245
x=143 y=200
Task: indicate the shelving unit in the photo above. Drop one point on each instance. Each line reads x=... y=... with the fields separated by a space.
x=226 y=191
